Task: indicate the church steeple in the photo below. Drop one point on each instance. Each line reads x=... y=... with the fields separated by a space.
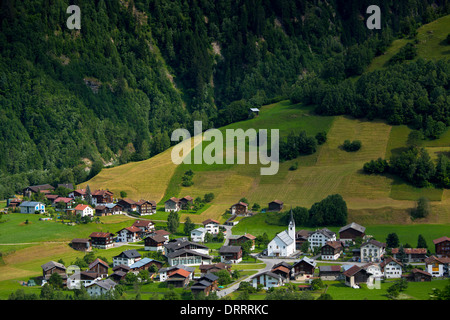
x=291 y=227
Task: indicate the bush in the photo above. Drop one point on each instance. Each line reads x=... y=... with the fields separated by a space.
x=351 y=146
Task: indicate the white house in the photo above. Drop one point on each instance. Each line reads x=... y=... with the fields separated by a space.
x=101 y=287
x=211 y=226
x=173 y=204
x=437 y=266
x=127 y=258
x=129 y=234
x=372 y=251
x=283 y=244
x=84 y=210
x=320 y=237
x=198 y=235
x=373 y=269
x=391 y=268
x=32 y=207
x=187 y=257
x=268 y=279
x=163 y=272
x=83 y=278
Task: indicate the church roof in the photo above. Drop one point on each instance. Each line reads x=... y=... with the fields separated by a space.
x=285 y=237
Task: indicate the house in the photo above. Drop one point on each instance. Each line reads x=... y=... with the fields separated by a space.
x=81 y=244
x=117 y=276
x=304 y=269
x=173 y=204
x=84 y=278
x=275 y=206
x=240 y=208
x=198 y=235
x=183 y=243
x=301 y=237
x=374 y=269
x=230 y=254
x=79 y=193
x=330 y=272
x=391 y=268
x=254 y=111
x=28 y=191
x=237 y=240
x=51 y=197
x=186 y=202
x=211 y=226
x=102 y=240
x=350 y=232
x=101 y=196
x=442 y=246
x=121 y=267
x=164 y=272
x=145 y=264
x=178 y=278
x=207 y=268
x=332 y=250
x=282 y=270
x=283 y=244
x=355 y=275
x=53 y=267
x=129 y=234
x=65 y=185
x=13 y=203
x=207 y=283
x=146 y=226
x=417 y=275
x=32 y=207
x=108 y=209
x=319 y=237
x=100 y=267
x=437 y=266
x=411 y=254
x=267 y=279
x=187 y=257
x=128 y=205
x=100 y=287
x=84 y=210
x=163 y=233
x=63 y=203
x=372 y=251
x=155 y=243
x=127 y=257
x=145 y=207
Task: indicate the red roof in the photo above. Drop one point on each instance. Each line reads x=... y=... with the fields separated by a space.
x=81 y=207
x=142 y=223
x=441 y=239
x=100 y=234
x=63 y=199
x=209 y=221
x=132 y=229
x=181 y=272
x=162 y=232
x=410 y=250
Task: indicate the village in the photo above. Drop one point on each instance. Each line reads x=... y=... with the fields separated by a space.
x=306 y=259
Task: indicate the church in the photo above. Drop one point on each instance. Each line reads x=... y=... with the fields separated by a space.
x=283 y=245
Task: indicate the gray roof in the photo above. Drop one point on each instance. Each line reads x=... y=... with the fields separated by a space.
x=51 y=264
x=285 y=237
x=326 y=232
x=353 y=226
x=183 y=251
x=29 y=203
x=181 y=243
x=106 y=284
x=230 y=249
x=130 y=254
x=308 y=260
x=375 y=243
x=269 y=273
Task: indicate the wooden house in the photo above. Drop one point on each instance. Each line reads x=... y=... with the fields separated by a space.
x=275 y=206
x=442 y=246
x=230 y=254
x=101 y=287
x=351 y=231
x=145 y=264
x=81 y=244
x=53 y=267
x=411 y=254
x=240 y=208
x=146 y=226
x=155 y=243
x=301 y=236
x=186 y=202
x=29 y=191
x=207 y=283
x=330 y=272
x=173 y=204
x=145 y=207
x=417 y=275
x=187 y=257
x=179 y=278
x=100 y=267
x=355 y=275
x=102 y=240
x=237 y=240
x=304 y=269
x=207 y=268
x=128 y=205
x=332 y=250
x=102 y=196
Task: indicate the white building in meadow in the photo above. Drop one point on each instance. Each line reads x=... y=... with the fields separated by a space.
x=283 y=245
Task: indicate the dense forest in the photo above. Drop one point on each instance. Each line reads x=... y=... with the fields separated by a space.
x=74 y=101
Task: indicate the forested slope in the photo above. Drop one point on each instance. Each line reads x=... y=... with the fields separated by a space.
x=72 y=101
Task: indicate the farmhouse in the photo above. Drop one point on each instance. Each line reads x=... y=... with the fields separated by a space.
x=100 y=287
x=374 y=269
x=145 y=264
x=32 y=207
x=282 y=270
x=418 y=275
x=230 y=254
x=163 y=233
x=284 y=242
x=145 y=207
x=372 y=251
x=332 y=250
x=79 y=193
x=155 y=243
x=206 y=268
x=53 y=267
x=84 y=278
x=301 y=237
x=355 y=275
x=206 y=284
x=100 y=267
x=392 y=268
x=164 y=272
x=267 y=279
x=442 y=246
x=146 y=226
x=108 y=209
x=304 y=269
x=173 y=204
x=186 y=202
x=275 y=206
x=437 y=266
x=236 y=240
x=101 y=240
x=129 y=234
x=127 y=257
x=178 y=278
x=28 y=191
x=183 y=243
x=211 y=226
x=63 y=203
x=240 y=208
x=102 y=196
x=319 y=237
x=351 y=231
x=84 y=210
x=128 y=205
x=411 y=254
